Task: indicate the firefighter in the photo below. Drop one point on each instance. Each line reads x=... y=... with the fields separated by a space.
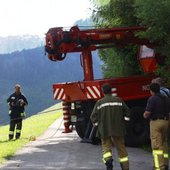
x=17 y=102
x=165 y=92
x=108 y=114
x=157 y=110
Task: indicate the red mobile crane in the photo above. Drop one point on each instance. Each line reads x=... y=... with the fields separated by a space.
x=79 y=97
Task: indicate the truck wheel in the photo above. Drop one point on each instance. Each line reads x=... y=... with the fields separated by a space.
x=137 y=129
x=94 y=140
x=87 y=133
x=80 y=129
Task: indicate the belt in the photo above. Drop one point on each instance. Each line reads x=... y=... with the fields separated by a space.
x=161 y=118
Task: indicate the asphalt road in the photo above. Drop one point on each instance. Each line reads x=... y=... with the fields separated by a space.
x=55 y=150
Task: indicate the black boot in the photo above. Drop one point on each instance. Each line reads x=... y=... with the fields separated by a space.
x=17 y=136
x=121 y=165
x=11 y=137
x=109 y=164
x=166 y=167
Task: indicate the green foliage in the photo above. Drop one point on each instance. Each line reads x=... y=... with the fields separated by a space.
x=149 y=13
x=115 y=13
x=101 y=2
x=117 y=62
x=85 y=23
x=33 y=126
x=154 y=15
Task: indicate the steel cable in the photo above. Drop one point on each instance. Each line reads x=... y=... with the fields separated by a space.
x=42 y=112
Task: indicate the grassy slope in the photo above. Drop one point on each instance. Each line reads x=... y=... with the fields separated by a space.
x=33 y=126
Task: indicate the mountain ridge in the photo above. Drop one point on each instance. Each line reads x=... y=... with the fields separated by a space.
x=11 y=44
x=36 y=74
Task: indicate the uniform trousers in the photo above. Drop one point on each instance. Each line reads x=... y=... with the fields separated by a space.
x=15 y=124
x=118 y=141
x=159 y=143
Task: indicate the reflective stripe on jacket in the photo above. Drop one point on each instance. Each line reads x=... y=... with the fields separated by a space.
x=109 y=113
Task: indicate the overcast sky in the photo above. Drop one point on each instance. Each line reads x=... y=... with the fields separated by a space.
x=18 y=17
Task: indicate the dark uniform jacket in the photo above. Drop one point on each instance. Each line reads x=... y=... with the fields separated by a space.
x=14 y=102
x=109 y=113
x=159 y=107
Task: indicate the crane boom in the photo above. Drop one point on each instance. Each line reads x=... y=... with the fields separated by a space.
x=60 y=42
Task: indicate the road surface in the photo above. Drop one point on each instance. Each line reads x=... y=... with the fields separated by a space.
x=55 y=150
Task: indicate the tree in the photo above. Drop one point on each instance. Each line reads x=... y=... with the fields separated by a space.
x=117 y=13
x=154 y=15
x=149 y=13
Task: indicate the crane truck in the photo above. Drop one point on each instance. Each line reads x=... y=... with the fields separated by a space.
x=78 y=98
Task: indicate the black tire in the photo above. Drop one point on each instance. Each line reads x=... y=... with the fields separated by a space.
x=88 y=135
x=137 y=129
x=80 y=128
x=94 y=140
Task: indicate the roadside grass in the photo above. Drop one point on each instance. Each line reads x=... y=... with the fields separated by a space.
x=32 y=126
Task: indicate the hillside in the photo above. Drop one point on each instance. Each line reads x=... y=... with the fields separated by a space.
x=18 y=43
x=36 y=74
x=11 y=44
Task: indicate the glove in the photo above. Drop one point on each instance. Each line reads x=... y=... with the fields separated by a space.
x=9 y=112
x=21 y=102
x=11 y=104
x=23 y=114
x=95 y=124
x=127 y=118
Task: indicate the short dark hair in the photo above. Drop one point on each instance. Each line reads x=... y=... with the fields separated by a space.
x=155 y=87
x=106 y=89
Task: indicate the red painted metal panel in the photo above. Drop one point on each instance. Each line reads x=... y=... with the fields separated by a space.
x=149 y=65
x=130 y=88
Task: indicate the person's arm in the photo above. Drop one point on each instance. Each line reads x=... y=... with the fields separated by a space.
x=25 y=100
x=9 y=99
x=126 y=111
x=94 y=115
x=146 y=114
x=149 y=108
x=165 y=91
x=168 y=106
